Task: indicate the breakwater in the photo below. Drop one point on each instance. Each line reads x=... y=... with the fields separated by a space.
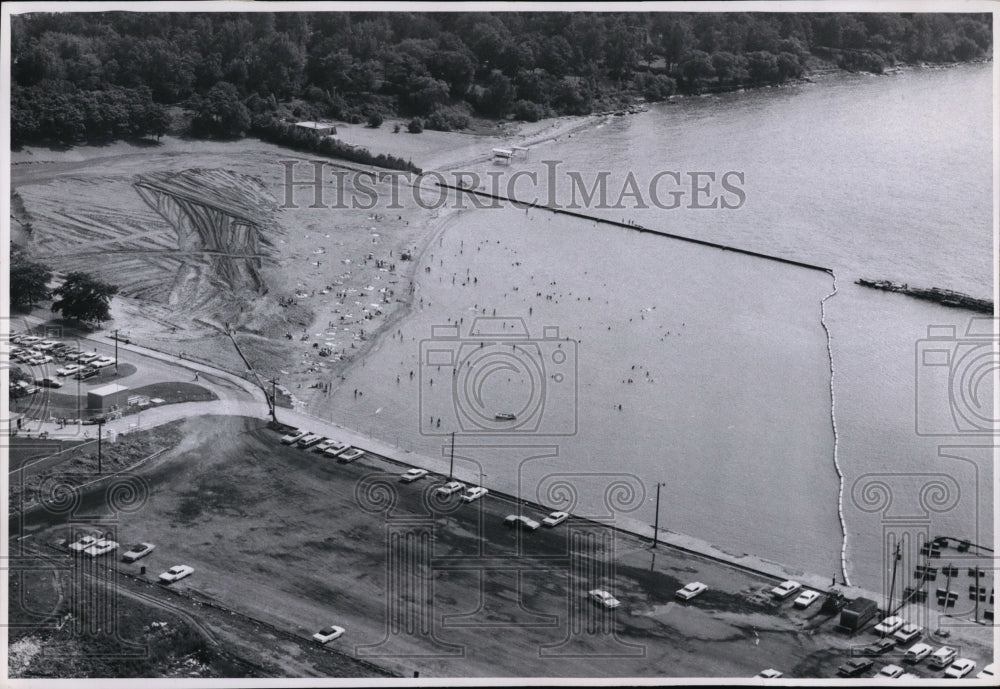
x=631 y=226
x=945 y=297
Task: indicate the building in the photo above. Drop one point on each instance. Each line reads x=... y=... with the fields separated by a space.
x=107 y=397
x=321 y=128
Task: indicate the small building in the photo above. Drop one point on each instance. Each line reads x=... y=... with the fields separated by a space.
x=502 y=155
x=857 y=613
x=107 y=397
x=321 y=128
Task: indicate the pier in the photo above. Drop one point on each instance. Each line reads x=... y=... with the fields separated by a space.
x=635 y=227
x=945 y=297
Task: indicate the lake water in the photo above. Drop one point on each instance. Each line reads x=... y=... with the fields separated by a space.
x=729 y=401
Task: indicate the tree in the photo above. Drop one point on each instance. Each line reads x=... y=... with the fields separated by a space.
x=375 y=119
x=220 y=113
x=498 y=98
x=415 y=126
x=84 y=298
x=28 y=281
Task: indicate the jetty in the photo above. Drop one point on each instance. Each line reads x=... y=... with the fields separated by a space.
x=945 y=297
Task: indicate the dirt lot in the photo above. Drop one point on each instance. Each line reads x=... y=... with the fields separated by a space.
x=299 y=541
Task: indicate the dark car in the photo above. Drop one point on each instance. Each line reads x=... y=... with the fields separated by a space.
x=855 y=667
x=877 y=648
x=87 y=373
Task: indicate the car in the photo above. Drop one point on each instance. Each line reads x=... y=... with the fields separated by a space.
x=555 y=518
x=176 y=573
x=855 y=667
x=336 y=448
x=889 y=625
x=328 y=634
x=474 y=494
x=39 y=359
x=46 y=345
x=943 y=657
x=908 y=633
x=139 y=550
x=293 y=436
x=988 y=672
x=309 y=440
x=29 y=339
x=877 y=648
x=68 y=369
x=87 y=357
x=960 y=668
x=805 y=599
x=412 y=475
x=520 y=521
x=60 y=347
x=101 y=547
x=350 y=455
x=889 y=671
x=916 y=653
x=83 y=543
x=693 y=589
x=48 y=383
x=450 y=488
x=603 y=598
x=785 y=589
x=85 y=373
x=327 y=442
x=102 y=362
x=73 y=355
x=770 y=673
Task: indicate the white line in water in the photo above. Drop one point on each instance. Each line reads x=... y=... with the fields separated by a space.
x=836 y=439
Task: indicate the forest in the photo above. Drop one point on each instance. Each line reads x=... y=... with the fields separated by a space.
x=98 y=77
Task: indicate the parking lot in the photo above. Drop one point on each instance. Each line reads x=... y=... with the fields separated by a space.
x=433 y=584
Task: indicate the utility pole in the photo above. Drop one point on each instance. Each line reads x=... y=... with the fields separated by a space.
x=892 y=585
x=274 y=400
x=100 y=427
x=116 y=351
x=451 y=466
x=656 y=524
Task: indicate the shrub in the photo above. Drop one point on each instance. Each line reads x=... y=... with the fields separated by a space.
x=375 y=120
x=447 y=119
x=415 y=126
x=528 y=110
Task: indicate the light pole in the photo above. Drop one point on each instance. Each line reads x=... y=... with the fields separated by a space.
x=100 y=426
x=451 y=466
x=656 y=524
x=892 y=586
x=116 y=351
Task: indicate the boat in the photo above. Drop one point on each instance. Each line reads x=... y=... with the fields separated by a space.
x=505 y=416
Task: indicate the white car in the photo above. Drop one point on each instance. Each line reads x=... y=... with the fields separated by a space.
x=83 y=543
x=805 y=599
x=412 y=475
x=917 y=652
x=474 y=494
x=309 y=440
x=908 y=633
x=555 y=518
x=603 y=598
x=450 y=488
x=785 y=589
x=988 y=672
x=890 y=672
x=328 y=634
x=101 y=547
x=350 y=455
x=46 y=345
x=102 y=362
x=335 y=448
x=328 y=442
x=293 y=437
x=520 y=521
x=68 y=369
x=889 y=625
x=770 y=673
x=176 y=573
x=88 y=357
x=139 y=550
x=960 y=668
x=693 y=589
